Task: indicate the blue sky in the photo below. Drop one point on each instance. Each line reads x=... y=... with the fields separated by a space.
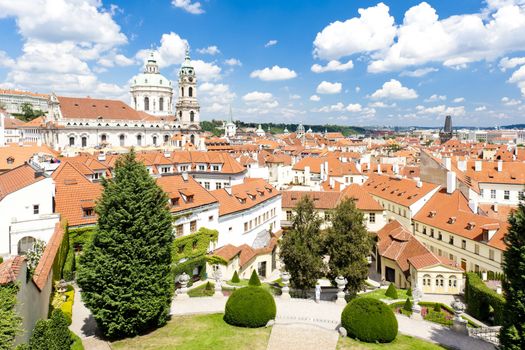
x=340 y=62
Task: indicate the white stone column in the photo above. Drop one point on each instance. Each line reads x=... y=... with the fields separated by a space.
x=182 y=292
x=341 y=284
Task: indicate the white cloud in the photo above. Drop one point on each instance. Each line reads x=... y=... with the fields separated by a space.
x=274 y=73
x=295 y=97
x=455 y=41
x=193 y=8
x=210 y=50
x=457 y=111
x=357 y=89
x=458 y=100
x=206 y=71
x=510 y=102
x=315 y=98
x=115 y=59
x=171 y=51
x=340 y=107
x=5 y=60
x=373 y=30
x=216 y=93
x=381 y=104
x=435 y=97
x=480 y=109
x=257 y=96
x=394 y=90
x=325 y=87
x=518 y=77
x=333 y=66
x=510 y=63
x=233 y=62
x=354 y=107
x=271 y=43
x=418 y=72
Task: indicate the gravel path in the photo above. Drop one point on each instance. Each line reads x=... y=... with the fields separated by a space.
x=301 y=337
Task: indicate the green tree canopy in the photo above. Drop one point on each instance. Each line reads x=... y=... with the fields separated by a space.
x=301 y=247
x=125 y=274
x=29 y=113
x=512 y=334
x=348 y=244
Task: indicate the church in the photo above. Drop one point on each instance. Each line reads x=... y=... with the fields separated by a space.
x=151 y=121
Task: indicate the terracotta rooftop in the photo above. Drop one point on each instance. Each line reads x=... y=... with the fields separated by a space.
x=245 y=252
x=401 y=191
x=321 y=199
x=184 y=194
x=10 y=269
x=18 y=178
x=14 y=155
x=93 y=108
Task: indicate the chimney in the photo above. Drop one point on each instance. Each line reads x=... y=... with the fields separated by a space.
x=447 y=162
x=358 y=166
x=478 y=165
x=326 y=169
x=495 y=207
x=451 y=182
x=473 y=205
x=167 y=154
x=419 y=183
x=101 y=157
x=395 y=168
x=462 y=165
x=379 y=168
x=184 y=176
x=228 y=189
x=500 y=166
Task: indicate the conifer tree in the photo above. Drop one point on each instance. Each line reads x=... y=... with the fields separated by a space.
x=348 y=244
x=57 y=333
x=254 y=279
x=38 y=339
x=391 y=291
x=235 y=278
x=301 y=248
x=125 y=274
x=512 y=333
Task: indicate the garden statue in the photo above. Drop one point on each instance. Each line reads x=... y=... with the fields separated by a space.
x=285 y=278
x=341 y=284
x=317 y=292
x=182 y=293
x=217 y=276
x=417 y=294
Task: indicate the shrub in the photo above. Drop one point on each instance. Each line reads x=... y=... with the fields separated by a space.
x=235 y=278
x=38 y=339
x=391 y=292
x=57 y=332
x=408 y=305
x=437 y=307
x=409 y=292
x=369 y=320
x=480 y=298
x=208 y=286
x=254 y=280
x=250 y=307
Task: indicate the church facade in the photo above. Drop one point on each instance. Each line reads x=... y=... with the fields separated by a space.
x=75 y=124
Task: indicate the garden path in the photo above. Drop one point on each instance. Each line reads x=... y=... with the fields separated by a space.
x=301 y=337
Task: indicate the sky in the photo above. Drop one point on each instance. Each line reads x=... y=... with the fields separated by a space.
x=365 y=63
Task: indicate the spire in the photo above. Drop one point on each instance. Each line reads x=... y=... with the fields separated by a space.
x=187 y=58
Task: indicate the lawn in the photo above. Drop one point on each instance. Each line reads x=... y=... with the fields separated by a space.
x=402 y=342
x=380 y=294
x=201 y=291
x=198 y=332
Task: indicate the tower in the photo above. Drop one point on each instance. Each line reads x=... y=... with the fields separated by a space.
x=230 y=129
x=446 y=133
x=151 y=92
x=187 y=107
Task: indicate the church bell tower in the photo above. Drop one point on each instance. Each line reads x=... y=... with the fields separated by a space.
x=187 y=107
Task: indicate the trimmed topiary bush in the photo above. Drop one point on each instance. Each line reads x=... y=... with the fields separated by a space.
x=391 y=292
x=235 y=278
x=408 y=305
x=437 y=307
x=250 y=307
x=409 y=292
x=369 y=320
x=254 y=280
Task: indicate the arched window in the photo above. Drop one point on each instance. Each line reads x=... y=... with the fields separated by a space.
x=161 y=104
x=192 y=116
x=103 y=138
x=192 y=139
x=190 y=91
x=25 y=244
x=121 y=140
x=139 y=140
x=154 y=140
x=146 y=103
x=439 y=281
x=426 y=280
x=84 y=141
x=71 y=140
x=135 y=101
x=452 y=281
x=180 y=114
x=166 y=138
x=181 y=92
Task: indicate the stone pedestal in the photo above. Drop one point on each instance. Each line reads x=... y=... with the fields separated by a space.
x=218 y=284
x=182 y=292
x=341 y=284
x=459 y=325
x=285 y=291
x=416 y=312
x=417 y=294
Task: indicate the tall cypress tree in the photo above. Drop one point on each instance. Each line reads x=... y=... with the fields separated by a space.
x=125 y=274
x=348 y=244
x=512 y=334
x=301 y=246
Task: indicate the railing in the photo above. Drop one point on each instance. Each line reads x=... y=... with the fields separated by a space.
x=490 y=334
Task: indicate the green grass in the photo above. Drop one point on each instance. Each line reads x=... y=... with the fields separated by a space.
x=380 y=294
x=244 y=283
x=402 y=342
x=77 y=342
x=201 y=291
x=198 y=332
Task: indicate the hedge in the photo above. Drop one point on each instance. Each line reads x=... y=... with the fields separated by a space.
x=62 y=253
x=250 y=307
x=369 y=320
x=10 y=321
x=78 y=237
x=481 y=298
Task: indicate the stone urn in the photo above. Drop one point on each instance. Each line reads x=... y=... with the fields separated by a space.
x=285 y=278
x=341 y=283
x=459 y=325
x=183 y=290
x=61 y=286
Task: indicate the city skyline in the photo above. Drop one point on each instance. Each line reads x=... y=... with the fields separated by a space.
x=317 y=62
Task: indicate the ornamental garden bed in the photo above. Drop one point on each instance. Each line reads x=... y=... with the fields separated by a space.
x=444 y=316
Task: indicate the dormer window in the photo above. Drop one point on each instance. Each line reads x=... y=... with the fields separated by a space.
x=471 y=225
x=451 y=219
x=88 y=212
x=189 y=199
x=432 y=213
x=175 y=201
x=10 y=160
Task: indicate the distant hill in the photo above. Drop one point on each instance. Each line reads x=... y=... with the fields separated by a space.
x=514 y=126
x=278 y=128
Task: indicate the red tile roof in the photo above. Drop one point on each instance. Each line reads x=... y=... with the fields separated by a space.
x=401 y=191
x=18 y=178
x=45 y=265
x=10 y=269
x=93 y=108
x=176 y=188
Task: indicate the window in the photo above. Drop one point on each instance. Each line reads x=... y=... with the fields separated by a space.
x=476 y=249
x=520 y=195
x=139 y=140
x=245 y=227
x=210 y=218
x=482 y=193
x=506 y=194
x=492 y=194
x=194 y=245
x=146 y=103
x=161 y=102
x=121 y=140
x=190 y=91
x=451 y=240
x=426 y=280
x=84 y=141
x=88 y=212
x=202 y=167
x=424 y=230
x=440 y=236
x=491 y=254
x=179 y=231
x=463 y=244
x=182 y=92
x=215 y=168
x=175 y=201
x=207 y=185
x=193 y=226
x=10 y=160
x=432 y=232
x=181 y=249
x=36 y=209
x=192 y=116
x=166 y=138
x=372 y=218
x=452 y=281
x=439 y=281
x=154 y=140
x=218 y=185
x=103 y=138
x=71 y=141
